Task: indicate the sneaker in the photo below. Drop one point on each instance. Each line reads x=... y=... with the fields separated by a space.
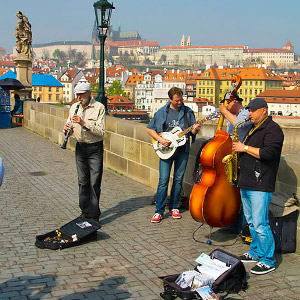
x=156 y=218
x=246 y=257
x=175 y=213
x=261 y=269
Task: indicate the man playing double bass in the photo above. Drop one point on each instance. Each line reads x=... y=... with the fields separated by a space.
x=234 y=113
x=259 y=160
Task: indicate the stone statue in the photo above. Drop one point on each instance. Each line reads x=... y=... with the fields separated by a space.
x=23 y=35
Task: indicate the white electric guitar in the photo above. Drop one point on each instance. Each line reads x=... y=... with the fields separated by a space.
x=177 y=137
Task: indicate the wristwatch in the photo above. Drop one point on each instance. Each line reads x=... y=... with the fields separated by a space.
x=246 y=148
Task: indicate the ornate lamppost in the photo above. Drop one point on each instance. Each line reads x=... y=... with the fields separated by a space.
x=103 y=11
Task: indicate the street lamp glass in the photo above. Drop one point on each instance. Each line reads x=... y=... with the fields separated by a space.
x=103 y=12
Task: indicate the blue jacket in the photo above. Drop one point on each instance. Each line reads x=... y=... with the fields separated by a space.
x=159 y=119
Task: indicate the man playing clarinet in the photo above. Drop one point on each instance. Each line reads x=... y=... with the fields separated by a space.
x=87 y=127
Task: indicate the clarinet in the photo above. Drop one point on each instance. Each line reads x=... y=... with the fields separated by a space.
x=64 y=145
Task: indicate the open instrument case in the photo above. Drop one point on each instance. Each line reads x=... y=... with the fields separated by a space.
x=233 y=280
x=78 y=231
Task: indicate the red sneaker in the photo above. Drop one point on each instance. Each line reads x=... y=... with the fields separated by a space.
x=175 y=213
x=156 y=218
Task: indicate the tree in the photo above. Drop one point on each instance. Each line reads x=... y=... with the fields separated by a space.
x=95 y=87
x=259 y=60
x=116 y=89
x=163 y=58
x=147 y=61
x=56 y=53
x=273 y=65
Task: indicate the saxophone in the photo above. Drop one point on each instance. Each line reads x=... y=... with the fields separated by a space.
x=231 y=160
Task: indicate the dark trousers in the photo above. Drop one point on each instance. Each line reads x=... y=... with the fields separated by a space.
x=89 y=163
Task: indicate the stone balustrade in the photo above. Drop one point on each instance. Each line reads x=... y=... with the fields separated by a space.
x=128 y=148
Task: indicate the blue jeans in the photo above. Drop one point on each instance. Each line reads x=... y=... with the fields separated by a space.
x=180 y=159
x=89 y=162
x=256 y=210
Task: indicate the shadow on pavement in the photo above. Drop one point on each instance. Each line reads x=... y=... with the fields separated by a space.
x=124 y=208
x=107 y=288
x=30 y=287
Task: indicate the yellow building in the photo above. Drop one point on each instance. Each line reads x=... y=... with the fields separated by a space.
x=47 y=88
x=213 y=83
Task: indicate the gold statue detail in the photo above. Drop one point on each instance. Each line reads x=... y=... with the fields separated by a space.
x=23 y=35
x=231 y=160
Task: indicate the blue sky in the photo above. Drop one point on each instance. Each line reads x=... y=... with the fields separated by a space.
x=256 y=23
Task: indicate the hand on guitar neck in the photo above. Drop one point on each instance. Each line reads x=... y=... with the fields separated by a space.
x=165 y=143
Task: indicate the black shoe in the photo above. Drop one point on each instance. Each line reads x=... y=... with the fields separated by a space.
x=261 y=269
x=246 y=257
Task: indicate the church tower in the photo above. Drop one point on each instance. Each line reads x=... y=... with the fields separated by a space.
x=189 y=41
x=182 y=43
x=289 y=46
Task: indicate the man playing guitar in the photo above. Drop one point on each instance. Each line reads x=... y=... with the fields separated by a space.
x=173 y=114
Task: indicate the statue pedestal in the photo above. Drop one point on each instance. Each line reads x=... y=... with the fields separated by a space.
x=24 y=74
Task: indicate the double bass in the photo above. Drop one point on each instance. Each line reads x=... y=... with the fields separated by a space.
x=213 y=199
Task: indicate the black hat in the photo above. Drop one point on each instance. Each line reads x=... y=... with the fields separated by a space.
x=257 y=103
x=237 y=98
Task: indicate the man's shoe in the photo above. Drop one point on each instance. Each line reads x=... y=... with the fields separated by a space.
x=175 y=213
x=261 y=269
x=246 y=257
x=156 y=218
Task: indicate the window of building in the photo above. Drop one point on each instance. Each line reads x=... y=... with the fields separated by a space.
x=49 y=97
x=40 y=89
x=211 y=91
x=49 y=88
x=57 y=89
x=57 y=97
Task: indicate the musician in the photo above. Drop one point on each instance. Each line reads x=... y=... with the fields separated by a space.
x=173 y=114
x=235 y=112
x=88 y=130
x=259 y=160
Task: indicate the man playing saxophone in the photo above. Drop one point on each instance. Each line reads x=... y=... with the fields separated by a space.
x=259 y=160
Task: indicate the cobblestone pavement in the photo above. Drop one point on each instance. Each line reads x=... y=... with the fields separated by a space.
x=129 y=254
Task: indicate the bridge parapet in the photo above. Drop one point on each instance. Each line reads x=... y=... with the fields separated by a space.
x=128 y=149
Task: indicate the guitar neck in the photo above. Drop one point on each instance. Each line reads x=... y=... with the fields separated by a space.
x=186 y=131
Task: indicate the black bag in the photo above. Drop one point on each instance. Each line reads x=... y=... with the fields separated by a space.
x=246 y=236
x=285 y=232
x=233 y=280
x=78 y=231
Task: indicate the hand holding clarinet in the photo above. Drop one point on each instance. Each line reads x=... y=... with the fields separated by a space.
x=68 y=127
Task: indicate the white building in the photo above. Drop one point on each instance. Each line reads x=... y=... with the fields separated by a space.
x=69 y=79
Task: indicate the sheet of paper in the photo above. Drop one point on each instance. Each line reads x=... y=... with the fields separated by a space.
x=213 y=267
